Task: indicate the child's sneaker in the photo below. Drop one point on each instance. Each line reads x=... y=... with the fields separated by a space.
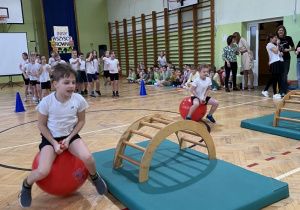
x=104 y=86
x=82 y=93
x=117 y=94
x=98 y=92
x=85 y=91
x=92 y=96
x=25 y=196
x=277 y=96
x=210 y=118
x=265 y=93
x=99 y=184
x=188 y=117
x=25 y=99
x=37 y=101
x=33 y=98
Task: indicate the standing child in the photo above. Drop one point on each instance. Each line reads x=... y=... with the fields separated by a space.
x=25 y=77
x=199 y=94
x=104 y=60
x=31 y=70
x=113 y=67
x=83 y=74
x=74 y=61
x=96 y=62
x=91 y=75
x=44 y=74
x=53 y=109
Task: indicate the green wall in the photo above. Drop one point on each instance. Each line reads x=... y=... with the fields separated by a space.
x=92 y=24
x=227 y=30
x=32 y=26
x=92 y=27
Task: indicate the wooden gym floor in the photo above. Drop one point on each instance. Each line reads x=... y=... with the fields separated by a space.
x=107 y=118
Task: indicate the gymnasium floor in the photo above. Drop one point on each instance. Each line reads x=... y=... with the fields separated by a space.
x=107 y=118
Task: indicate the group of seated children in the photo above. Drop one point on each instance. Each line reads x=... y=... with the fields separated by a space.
x=170 y=76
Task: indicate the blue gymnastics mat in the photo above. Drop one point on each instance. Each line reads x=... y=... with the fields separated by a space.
x=285 y=128
x=186 y=179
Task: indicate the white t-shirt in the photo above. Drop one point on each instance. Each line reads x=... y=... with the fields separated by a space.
x=273 y=57
x=90 y=67
x=23 y=63
x=201 y=86
x=82 y=65
x=96 y=65
x=113 y=64
x=75 y=66
x=51 y=62
x=162 y=61
x=44 y=77
x=62 y=117
x=33 y=69
x=105 y=59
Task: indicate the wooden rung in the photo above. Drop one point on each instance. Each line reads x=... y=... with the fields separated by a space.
x=292 y=101
x=129 y=160
x=295 y=96
x=288 y=119
x=171 y=120
x=151 y=125
x=141 y=134
x=291 y=110
x=160 y=120
x=134 y=145
x=193 y=142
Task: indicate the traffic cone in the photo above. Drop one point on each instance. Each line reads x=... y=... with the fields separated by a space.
x=19 y=104
x=143 y=89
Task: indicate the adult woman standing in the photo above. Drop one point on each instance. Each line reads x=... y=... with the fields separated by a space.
x=247 y=60
x=229 y=56
x=286 y=45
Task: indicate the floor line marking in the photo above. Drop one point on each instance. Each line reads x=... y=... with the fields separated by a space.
x=287 y=174
x=22 y=145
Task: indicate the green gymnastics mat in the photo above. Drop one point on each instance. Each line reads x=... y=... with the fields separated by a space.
x=285 y=128
x=186 y=179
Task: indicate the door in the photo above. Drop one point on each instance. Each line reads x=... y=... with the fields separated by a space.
x=252 y=37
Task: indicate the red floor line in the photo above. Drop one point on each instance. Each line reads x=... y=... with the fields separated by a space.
x=298 y=148
x=251 y=165
x=270 y=158
x=285 y=153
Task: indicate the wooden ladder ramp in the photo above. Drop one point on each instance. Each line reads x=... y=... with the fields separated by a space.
x=179 y=128
x=292 y=97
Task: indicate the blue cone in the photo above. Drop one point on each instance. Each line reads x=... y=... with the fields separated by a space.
x=19 y=104
x=143 y=90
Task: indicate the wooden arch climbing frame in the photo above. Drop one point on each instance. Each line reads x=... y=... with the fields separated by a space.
x=180 y=128
x=292 y=97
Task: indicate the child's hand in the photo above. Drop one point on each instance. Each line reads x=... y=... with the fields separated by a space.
x=57 y=148
x=66 y=143
x=203 y=101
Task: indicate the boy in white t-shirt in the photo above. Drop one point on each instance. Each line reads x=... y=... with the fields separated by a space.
x=24 y=75
x=31 y=70
x=104 y=60
x=66 y=108
x=83 y=73
x=113 y=67
x=74 y=61
x=44 y=74
x=199 y=93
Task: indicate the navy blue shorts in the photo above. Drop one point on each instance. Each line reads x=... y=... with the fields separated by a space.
x=78 y=78
x=106 y=73
x=45 y=142
x=83 y=76
x=46 y=85
x=92 y=77
x=114 y=76
x=207 y=99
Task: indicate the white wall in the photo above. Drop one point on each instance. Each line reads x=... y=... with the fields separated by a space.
x=232 y=11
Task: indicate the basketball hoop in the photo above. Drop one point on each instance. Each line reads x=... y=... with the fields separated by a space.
x=3 y=19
